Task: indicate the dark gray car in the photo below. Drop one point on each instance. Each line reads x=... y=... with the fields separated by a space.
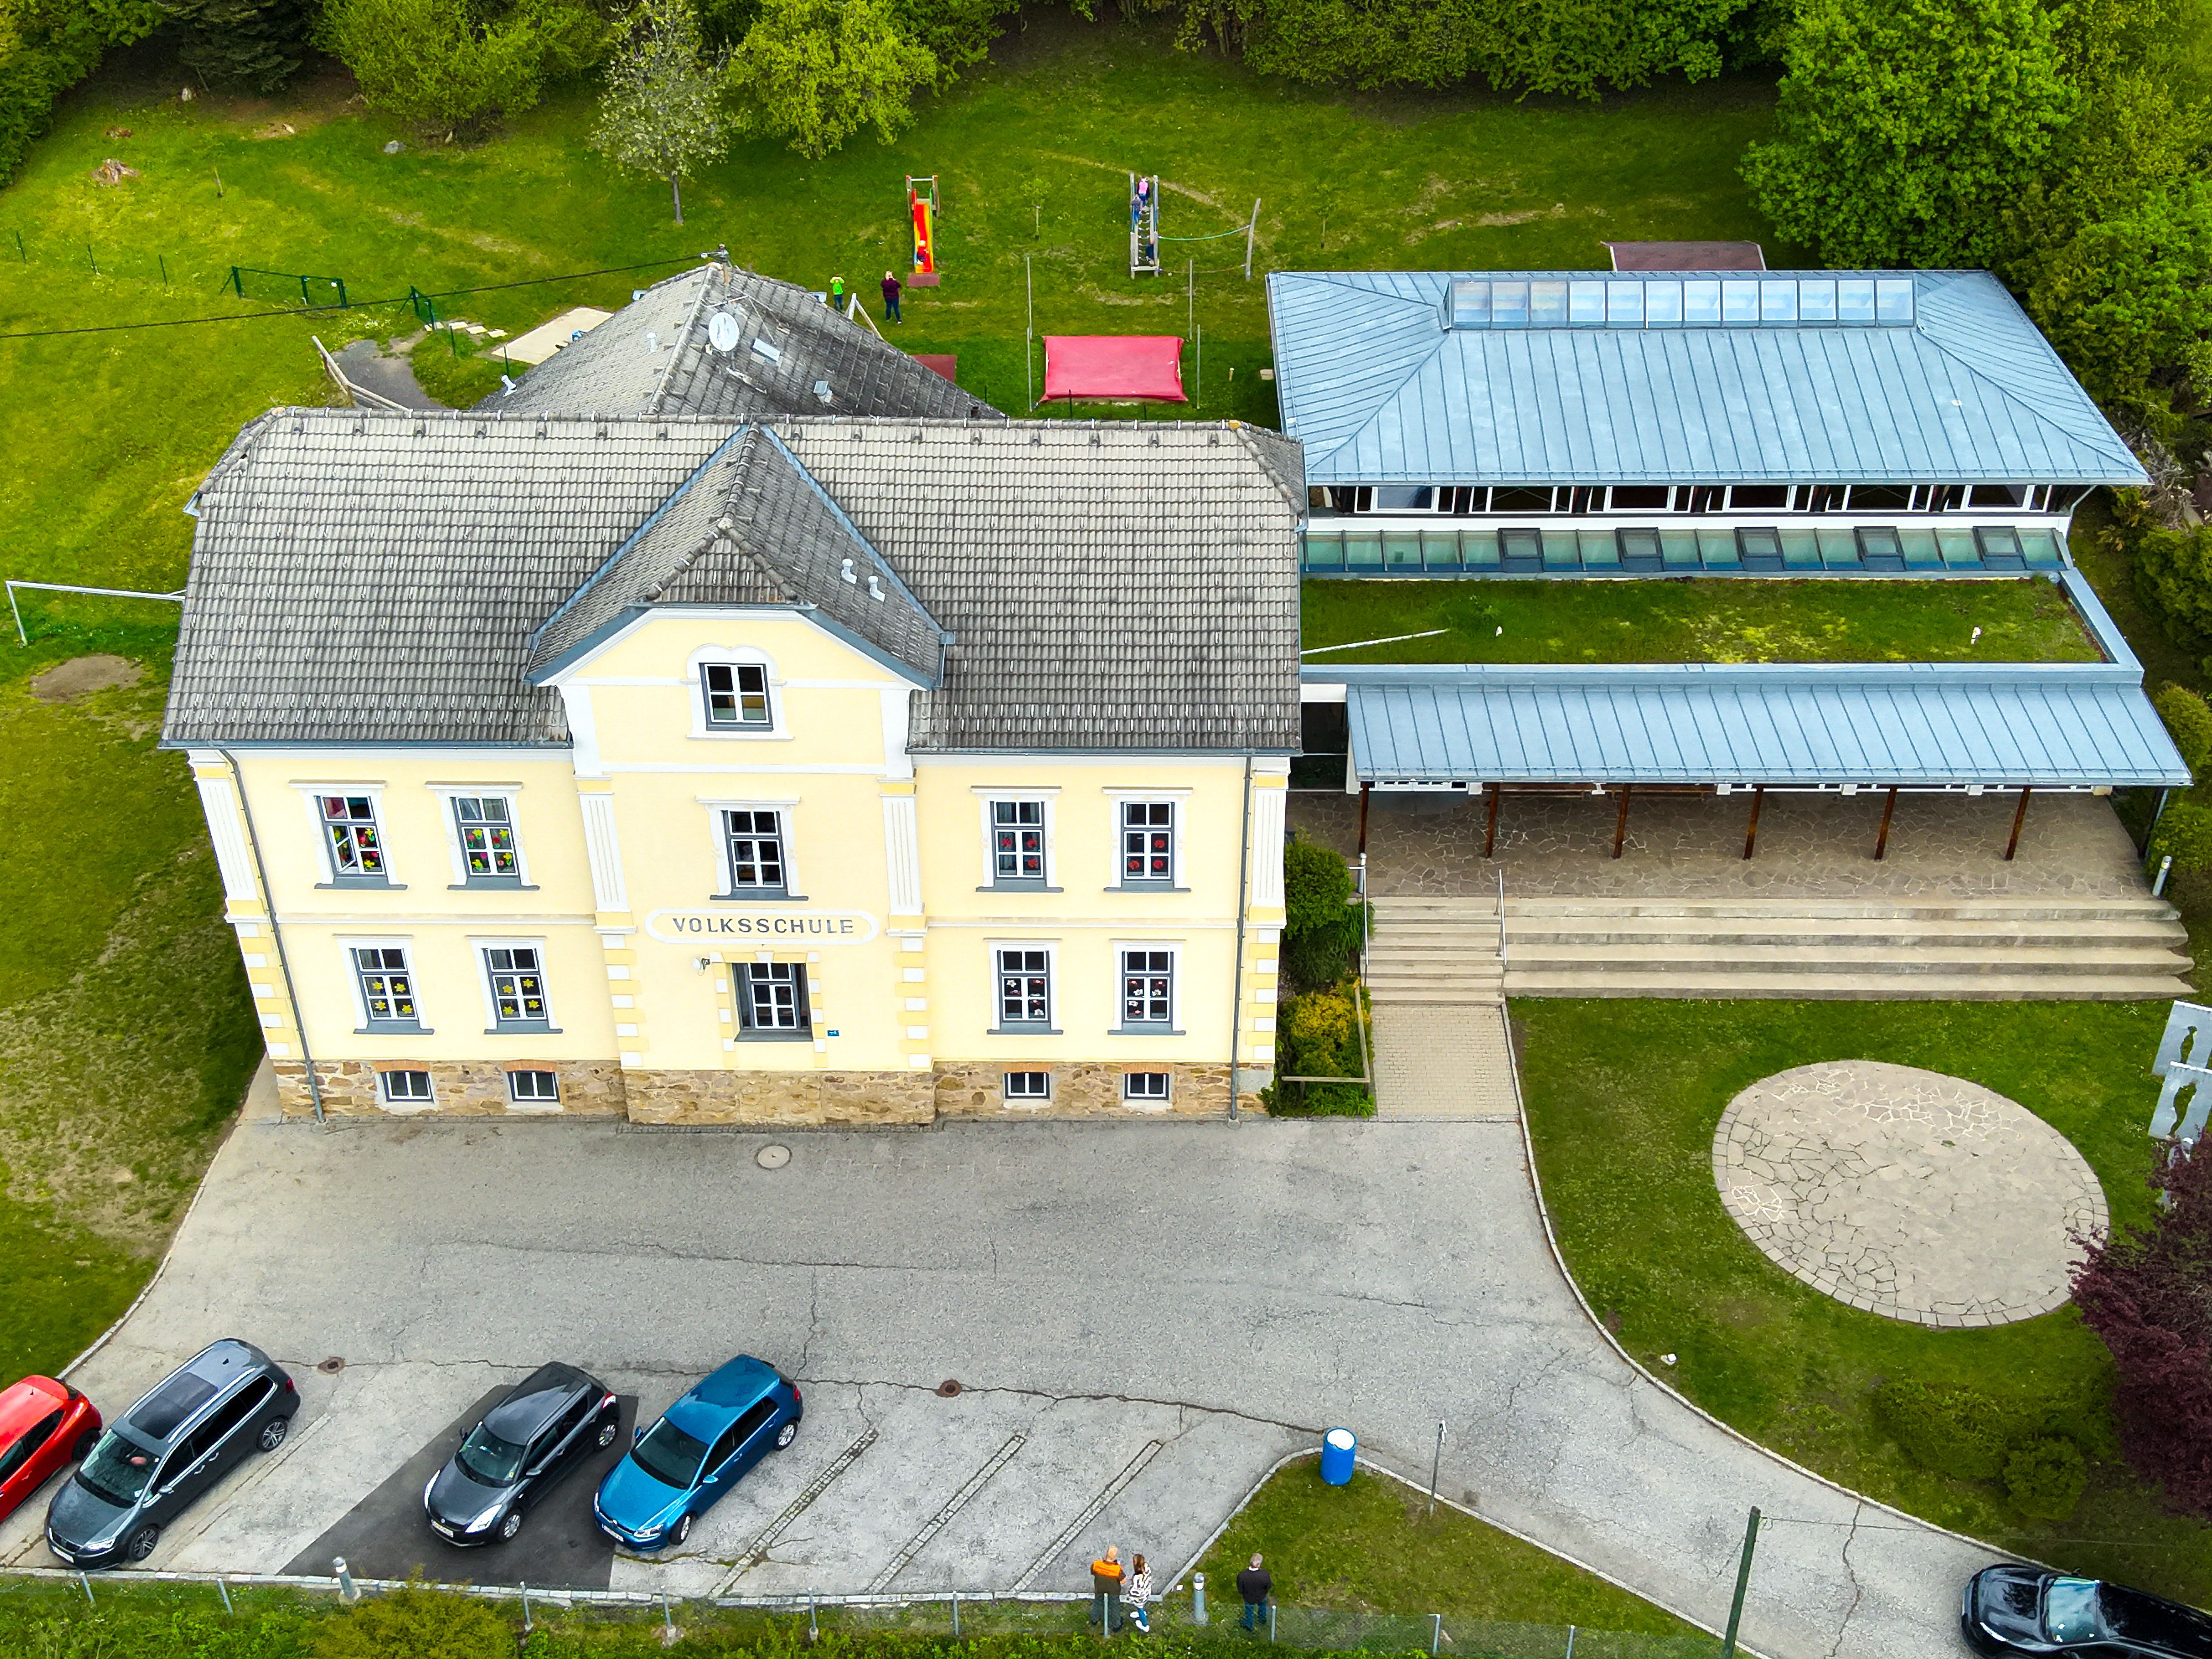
x=152 y=1462
x=546 y=1425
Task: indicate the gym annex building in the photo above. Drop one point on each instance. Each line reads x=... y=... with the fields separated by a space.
x=727 y=768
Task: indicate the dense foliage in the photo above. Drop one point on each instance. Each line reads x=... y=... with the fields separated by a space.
x=444 y=66
x=814 y=72
x=2143 y=1292
x=251 y=45
x=1321 y=927
x=661 y=112
x=46 y=46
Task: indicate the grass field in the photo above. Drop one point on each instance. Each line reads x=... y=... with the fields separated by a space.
x=2022 y=619
x=1370 y=1546
x=1623 y=1099
x=125 y=1036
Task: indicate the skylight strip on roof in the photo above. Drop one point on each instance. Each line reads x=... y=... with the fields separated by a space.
x=1488 y=302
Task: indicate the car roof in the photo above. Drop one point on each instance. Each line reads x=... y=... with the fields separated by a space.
x=534 y=1402
x=718 y=1398
x=165 y=1410
x=27 y=1402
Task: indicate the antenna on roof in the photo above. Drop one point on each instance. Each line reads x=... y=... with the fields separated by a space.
x=722 y=332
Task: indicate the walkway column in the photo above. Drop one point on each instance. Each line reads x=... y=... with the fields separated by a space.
x=1489 y=828
x=1751 y=835
x=1365 y=790
x=1882 y=839
x=1621 y=822
x=2018 y=818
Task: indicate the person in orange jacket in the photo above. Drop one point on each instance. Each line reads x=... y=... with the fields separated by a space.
x=1106 y=1590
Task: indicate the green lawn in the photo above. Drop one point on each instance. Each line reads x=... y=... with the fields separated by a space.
x=1564 y=620
x=1371 y=1547
x=1623 y=1097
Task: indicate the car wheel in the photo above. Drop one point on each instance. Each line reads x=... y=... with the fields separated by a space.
x=143 y=1541
x=786 y=1434
x=273 y=1433
x=509 y=1525
x=682 y=1531
x=608 y=1430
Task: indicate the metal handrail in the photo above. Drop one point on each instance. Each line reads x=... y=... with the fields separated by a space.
x=1501 y=919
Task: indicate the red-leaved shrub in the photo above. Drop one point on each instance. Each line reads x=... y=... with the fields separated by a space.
x=2148 y=1296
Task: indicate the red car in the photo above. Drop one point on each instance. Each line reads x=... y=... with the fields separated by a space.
x=44 y=1427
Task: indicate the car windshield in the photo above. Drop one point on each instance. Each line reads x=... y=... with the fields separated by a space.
x=486 y=1458
x=670 y=1456
x=2070 y=1610
x=118 y=1470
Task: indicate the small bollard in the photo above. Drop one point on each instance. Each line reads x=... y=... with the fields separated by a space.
x=86 y=1583
x=223 y=1590
x=1198 y=1598
x=813 y=1630
x=1435 y=1633
x=1270 y=1621
x=348 y=1590
x=1571 y=1642
x=525 y=1609
x=666 y=1623
x=956 y=1615
x=2165 y=864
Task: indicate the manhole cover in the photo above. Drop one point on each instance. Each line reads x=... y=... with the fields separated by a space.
x=332 y=1366
x=949 y=1388
x=772 y=1157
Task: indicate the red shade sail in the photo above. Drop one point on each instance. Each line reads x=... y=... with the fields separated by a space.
x=1126 y=367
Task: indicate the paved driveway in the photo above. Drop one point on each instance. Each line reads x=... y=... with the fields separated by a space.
x=1155 y=1312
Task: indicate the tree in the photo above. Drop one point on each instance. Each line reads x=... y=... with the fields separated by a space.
x=816 y=71
x=1906 y=125
x=2144 y=1293
x=956 y=33
x=252 y=43
x=661 y=113
x=437 y=64
x=46 y=46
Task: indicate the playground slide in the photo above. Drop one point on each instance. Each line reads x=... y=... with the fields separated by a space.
x=925 y=242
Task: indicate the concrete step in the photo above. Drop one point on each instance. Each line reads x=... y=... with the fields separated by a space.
x=1703 y=961
x=1636 y=933
x=2038 y=907
x=1934 y=988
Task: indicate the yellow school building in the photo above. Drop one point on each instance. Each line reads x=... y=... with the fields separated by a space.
x=792 y=770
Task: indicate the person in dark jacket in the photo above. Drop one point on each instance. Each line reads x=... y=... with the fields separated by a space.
x=890 y=296
x=1256 y=1584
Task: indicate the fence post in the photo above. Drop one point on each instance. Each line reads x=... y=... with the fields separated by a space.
x=86 y=1583
x=90 y=260
x=956 y=1615
x=1436 y=1465
x=237 y=281
x=1270 y=1621
x=347 y=1589
x=813 y=1630
x=1198 y=1598
x=345 y=304
x=162 y=260
x=223 y=1590
x=667 y=1624
x=24 y=252
x=526 y=1608
x=1742 y=1584
x=1571 y=1642
x=1435 y=1633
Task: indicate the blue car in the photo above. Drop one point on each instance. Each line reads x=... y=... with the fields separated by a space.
x=701 y=1447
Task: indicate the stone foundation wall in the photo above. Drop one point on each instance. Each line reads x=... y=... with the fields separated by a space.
x=795 y=1097
x=463 y=1089
x=1085 y=1089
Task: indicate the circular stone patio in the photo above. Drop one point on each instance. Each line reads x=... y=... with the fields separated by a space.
x=1907 y=1193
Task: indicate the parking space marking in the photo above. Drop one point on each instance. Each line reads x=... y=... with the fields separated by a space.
x=1051 y=1551
x=757 y=1552
x=958 y=1502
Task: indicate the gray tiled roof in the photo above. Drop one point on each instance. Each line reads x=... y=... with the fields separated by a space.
x=652 y=357
x=750 y=527
x=369 y=577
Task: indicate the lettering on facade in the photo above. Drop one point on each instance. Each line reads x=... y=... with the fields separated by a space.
x=778 y=926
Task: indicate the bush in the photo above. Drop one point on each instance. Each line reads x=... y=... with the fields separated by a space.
x=2046 y=1477
x=46 y=46
x=2189 y=719
x=2173 y=575
x=433 y=64
x=1321 y=925
x=2143 y=1293
x=414 y=1623
x=2184 y=832
x=1315 y=1036
x=1957 y=1431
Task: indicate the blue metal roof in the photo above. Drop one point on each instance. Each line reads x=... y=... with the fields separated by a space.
x=1379 y=390
x=1749 y=724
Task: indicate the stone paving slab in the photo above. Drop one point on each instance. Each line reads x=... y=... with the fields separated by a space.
x=1906 y=1193
x=1692 y=846
x=1442 y=1061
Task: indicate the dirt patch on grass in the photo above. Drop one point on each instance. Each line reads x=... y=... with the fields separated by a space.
x=80 y=676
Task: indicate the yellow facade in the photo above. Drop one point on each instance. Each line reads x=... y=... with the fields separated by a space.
x=629 y=896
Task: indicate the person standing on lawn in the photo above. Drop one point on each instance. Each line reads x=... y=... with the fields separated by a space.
x=836 y=293
x=1106 y=1590
x=1256 y=1584
x=1137 y=1592
x=890 y=296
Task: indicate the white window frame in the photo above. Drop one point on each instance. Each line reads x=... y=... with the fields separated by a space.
x=412 y=1103
x=1174 y=955
x=533 y=1103
x=1007 y=1094
x=1166 y=1097
x=741 y=999
x=480 y=948
x=405 y=945
x=311 y=796
x=735 y=656
x=786 y=812
x=1051 y=949
x=1049 y=799
x=447 y=794
x=1180 y=800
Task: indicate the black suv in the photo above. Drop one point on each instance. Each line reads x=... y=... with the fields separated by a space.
x=548 y=1423
x=146 y=1470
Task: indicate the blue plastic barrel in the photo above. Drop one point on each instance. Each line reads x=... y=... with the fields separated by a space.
x=1339 y=1448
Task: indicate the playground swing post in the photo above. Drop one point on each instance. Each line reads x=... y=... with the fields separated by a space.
x=1029 y=334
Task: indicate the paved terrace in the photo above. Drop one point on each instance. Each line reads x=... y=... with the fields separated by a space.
x=1692 y=846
